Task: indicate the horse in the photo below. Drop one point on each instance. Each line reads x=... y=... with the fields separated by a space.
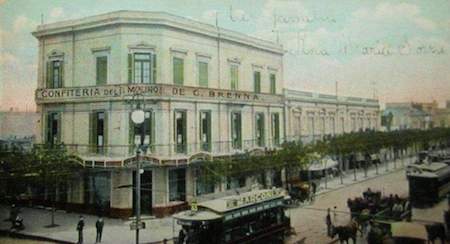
x=346 y=232
x=435 y=231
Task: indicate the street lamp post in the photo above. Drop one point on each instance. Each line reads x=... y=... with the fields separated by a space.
x=138 y=117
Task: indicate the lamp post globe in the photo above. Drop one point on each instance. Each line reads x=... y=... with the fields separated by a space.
x=138 y=116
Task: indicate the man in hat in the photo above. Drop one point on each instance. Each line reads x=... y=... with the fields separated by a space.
x=80 y=227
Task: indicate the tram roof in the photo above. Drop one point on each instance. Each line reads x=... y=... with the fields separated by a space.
x=199 y=215
x=234 y=202
x=428 y=170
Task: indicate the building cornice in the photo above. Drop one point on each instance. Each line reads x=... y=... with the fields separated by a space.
x=162 y=19
x=310 y=97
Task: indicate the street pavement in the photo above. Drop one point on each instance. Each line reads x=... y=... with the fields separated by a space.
x=308 y=220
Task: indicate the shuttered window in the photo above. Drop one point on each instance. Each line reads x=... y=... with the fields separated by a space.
x=142 y=68
x=101 y=70
x=55 y=74
x=273 y=88
x=276 y=129
x=203 y=74
x=236 y=134
x=205 y=130
x=180 y=129
x=53 y=128
x=234 y=77
x=178 y=71
x=98 y=131
x=142 y=132
x=260 y=130
x=257 y=81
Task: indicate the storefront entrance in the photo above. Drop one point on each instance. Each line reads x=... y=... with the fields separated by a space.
x=146 y=192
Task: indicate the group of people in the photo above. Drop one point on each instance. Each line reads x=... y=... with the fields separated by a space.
x=372 y=203
x=98 y=225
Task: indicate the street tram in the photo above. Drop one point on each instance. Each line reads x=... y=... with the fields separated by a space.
x=428 y=183
x=257 y=216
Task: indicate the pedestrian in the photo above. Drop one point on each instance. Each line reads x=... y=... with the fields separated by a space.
x=328 y=222
x=334 y=214
x=314 y=188
x=99 y=226
x=80 y=227
x=13 y=213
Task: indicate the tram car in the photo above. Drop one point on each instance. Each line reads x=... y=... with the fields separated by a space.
x=257 y=216
x=428 y=183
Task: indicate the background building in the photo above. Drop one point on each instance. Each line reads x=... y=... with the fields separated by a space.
x=207 y=92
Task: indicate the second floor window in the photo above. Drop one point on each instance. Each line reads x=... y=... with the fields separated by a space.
x=180 y=129
x=98 y=131
x=55 y=74
x=259 y=130
x=276 y=129
x=101 y=70
x=142 y=132
x=178 y=71
x=257 y=81
x=205 y=130
x=142 y=68
x=236 y=134
x=53 y=128
x=203 y=74
x=273 y=87
x=234 y=77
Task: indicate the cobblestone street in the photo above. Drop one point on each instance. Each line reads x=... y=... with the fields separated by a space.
x=309 y=220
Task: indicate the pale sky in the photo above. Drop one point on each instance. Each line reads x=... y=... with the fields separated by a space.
x=392 y=50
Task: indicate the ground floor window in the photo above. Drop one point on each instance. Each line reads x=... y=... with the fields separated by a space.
x=177 y=185
x=97 y=189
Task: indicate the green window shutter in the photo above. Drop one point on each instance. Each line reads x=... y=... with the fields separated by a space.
x=154 y=68
x=105 y=129
x=61 y=74
x=49 y=74
x=92 y=131
x=239 y=132
x=203 y=74
x=59 y=132
x=130 y=68
x=47 y=133
x=178 y=71
x=101 y=70
x=257 y=80
x=273 y=89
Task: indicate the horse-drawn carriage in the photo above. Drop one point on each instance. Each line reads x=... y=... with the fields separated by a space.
x=299 y=191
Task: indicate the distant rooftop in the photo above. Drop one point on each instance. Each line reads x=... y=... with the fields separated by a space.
x=328 y=98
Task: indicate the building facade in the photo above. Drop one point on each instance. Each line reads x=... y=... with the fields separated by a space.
x=206 y=92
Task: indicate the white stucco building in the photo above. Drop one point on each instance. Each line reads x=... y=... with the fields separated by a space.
x=207 y=92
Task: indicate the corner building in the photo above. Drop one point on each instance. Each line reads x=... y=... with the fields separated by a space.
x=207 y=92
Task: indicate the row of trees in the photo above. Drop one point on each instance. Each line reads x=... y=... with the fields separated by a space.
x=42 y=167
x=295 y=155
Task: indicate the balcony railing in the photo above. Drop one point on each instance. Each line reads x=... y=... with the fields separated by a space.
x=168 y=151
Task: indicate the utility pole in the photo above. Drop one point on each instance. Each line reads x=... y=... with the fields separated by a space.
x=138 y=118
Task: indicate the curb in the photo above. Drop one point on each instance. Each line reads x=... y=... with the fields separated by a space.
x=21 y=235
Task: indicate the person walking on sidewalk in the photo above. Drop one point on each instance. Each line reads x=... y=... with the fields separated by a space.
x=328 y=222
x=99 y=226
x=80 y=227
x=314 y=189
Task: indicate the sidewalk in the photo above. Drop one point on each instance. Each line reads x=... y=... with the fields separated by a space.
x=115 y=230
x=349 y=178
x=118 y=231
